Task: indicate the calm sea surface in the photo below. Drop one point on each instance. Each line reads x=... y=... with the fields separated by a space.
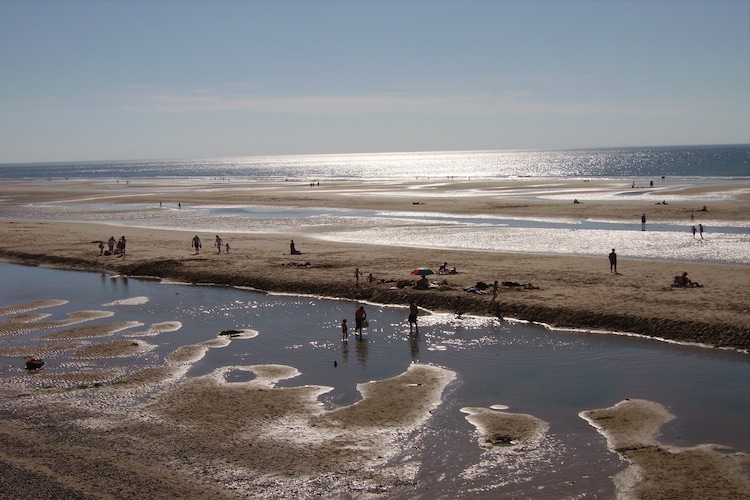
x=682 y=161
x=552 y=375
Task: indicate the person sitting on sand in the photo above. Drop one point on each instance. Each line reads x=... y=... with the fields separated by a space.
x=422 y=284
x=292 y=249
x=683 y=281
x=443 y=269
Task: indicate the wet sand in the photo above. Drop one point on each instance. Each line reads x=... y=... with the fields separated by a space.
x=159 y=434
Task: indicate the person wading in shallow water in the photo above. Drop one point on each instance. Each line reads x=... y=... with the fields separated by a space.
x=359 y=318
x=413 y=313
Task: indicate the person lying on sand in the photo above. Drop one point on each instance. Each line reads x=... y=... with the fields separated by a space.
x=527 y=286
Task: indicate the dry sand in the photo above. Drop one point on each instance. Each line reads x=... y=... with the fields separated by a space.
x=156 y=433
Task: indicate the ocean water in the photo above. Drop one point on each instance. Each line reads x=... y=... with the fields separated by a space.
x=723 y=161
x=552 y=375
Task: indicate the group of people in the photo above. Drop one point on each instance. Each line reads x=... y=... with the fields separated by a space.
x=444 y=269
x=358 y=274
x=218 y=243
x=700 y=229
x=360 y=322
x=113 y=246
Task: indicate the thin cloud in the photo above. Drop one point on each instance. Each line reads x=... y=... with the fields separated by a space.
x=516 y=102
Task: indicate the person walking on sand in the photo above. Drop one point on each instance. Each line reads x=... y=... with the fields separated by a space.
x=413 y=313
x=693 y=231
x=196 y=244
x=226 y=247
x=359 y=318
x=344 y=331
x=494 y=291
x=643 y=222
x=218 y=243
x=613 y=262
x=357 y=274
x=101 y=248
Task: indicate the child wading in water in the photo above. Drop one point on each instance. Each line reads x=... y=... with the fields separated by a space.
x=344 y=331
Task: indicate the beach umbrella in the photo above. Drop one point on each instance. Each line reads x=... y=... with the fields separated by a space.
x=423 y=271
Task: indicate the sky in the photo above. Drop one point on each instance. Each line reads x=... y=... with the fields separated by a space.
x=118 y=80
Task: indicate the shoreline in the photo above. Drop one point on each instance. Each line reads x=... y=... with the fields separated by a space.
x=570 y=291
x=571 y=294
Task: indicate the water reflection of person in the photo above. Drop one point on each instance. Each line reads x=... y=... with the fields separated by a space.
x=362 y=352
x=345 y=352
x=414 y=347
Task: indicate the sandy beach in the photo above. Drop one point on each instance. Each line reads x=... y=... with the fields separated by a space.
x=573 y=291
x=283 y=444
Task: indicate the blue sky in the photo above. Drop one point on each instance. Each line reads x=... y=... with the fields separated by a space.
x=101 y=80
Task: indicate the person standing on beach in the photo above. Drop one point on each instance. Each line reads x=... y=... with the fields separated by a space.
x=111 y=244
x=413 y=313
x=344 y=331
x=196 y=244
x=357 y=274
x=613 y=262
x=218 y=243
x=494 y=291
x=101 y=248
x=693 y=230
x=700 y=230
x=643 y=222
x=359 y=319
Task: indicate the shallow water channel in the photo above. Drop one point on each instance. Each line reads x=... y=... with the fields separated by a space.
x=552 y=375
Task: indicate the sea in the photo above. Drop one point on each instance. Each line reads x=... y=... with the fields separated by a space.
x=728 y=162
x=527 y=368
